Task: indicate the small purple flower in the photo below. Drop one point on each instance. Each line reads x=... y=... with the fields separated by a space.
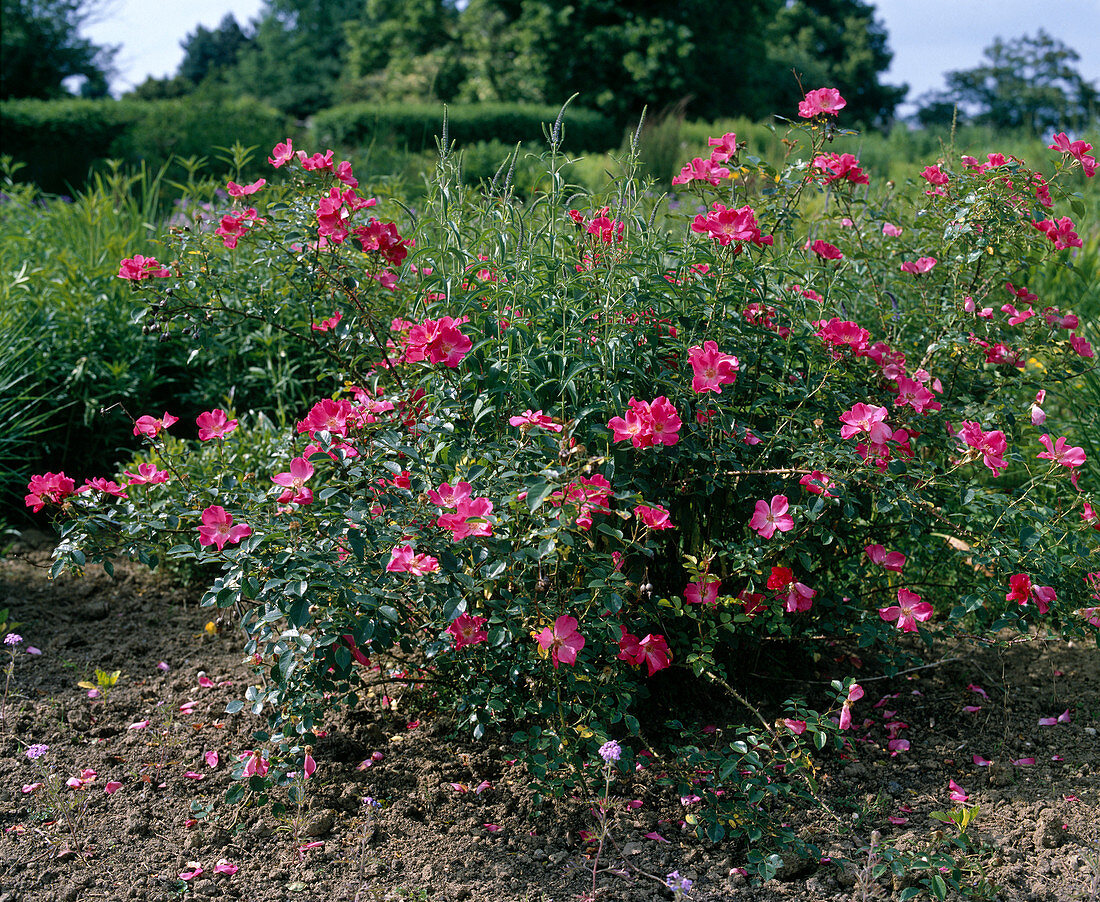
x=611 y=751
x=13 y=639
x=37 y=750
x=678 y=884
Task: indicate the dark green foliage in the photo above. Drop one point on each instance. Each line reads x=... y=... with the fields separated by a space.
x=41 y=46
x=835 y=43
x=296 y=55
x=416 y=127
x=59 y=142
x=208 y=52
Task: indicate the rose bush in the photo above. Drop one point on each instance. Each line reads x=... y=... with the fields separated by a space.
x=572 y=442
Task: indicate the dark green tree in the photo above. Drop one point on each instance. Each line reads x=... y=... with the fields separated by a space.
x=1026 y=82
x=296 y=55
x=402 y=50
x=837 y=44
x=619 y=56
x=207 y=51
x=41 y=46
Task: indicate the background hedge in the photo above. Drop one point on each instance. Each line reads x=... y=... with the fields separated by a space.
x=60 y=142
x=415 y=127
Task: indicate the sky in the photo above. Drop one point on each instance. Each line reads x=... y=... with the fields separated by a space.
x=928 y=37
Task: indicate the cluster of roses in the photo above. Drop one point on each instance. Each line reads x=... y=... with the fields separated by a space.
x=435 y=340
x=1059 y=231
x=709 y=169
x=726 y=225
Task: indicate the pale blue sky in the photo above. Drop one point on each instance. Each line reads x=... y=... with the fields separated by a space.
x=928 y=37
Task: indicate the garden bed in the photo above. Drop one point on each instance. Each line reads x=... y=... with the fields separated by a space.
x=435 y=836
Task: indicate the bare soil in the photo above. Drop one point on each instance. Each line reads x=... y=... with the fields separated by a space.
x=1037 y=836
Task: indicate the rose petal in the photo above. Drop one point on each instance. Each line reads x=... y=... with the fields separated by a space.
x=162 y=666
x=898 y=821
x=1023 y=762
x=192 y=874
x=493 y=828
x=655 y=836
x=28 y=788
x=981 y=762
x=224 y=867
x=191 y=775
x=139 y=725
x=211 y=759
x=112 y=787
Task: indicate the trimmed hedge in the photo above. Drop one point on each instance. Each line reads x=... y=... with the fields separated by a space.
x=61 y=141
x=415 y=127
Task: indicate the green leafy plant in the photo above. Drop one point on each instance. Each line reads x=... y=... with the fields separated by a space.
x=574 y=449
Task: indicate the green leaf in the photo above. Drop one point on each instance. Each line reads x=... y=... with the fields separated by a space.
x=234 y=707
x=537 y=494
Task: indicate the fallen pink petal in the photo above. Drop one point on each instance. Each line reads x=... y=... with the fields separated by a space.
x=493 y=828
x=192 y=874
x=112 y=787
x=981 y=762
x=224 y=867
x=655 y=836
x=211 y=759
x=192 y=775
x=958 y=794
x=138 y=725
x=1023 y=762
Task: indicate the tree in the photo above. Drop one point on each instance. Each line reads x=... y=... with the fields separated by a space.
x=41 y=47
x=619 y=56
x=296 y=55
x=1027 y=82
x=206 y=52
x=739 y=57
x=402 y=50
x=837 y=44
